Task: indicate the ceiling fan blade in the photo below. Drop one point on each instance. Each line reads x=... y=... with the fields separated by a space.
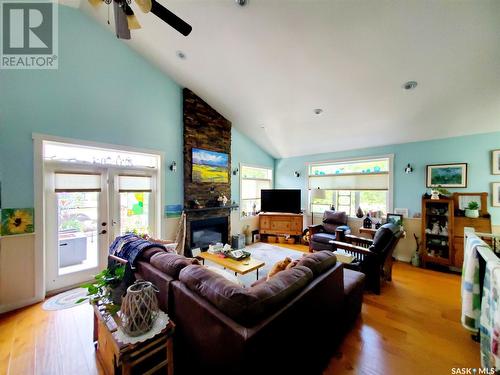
x=170 y=18
x=132 y=21
x=144 y=5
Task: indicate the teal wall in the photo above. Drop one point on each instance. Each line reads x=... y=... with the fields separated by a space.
x=103 y=91
x=408 y=188
x=245 y=151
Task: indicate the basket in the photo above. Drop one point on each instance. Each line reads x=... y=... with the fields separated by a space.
x=290 y=240
x=271 y=239
x=139 y=308
x=281 y=239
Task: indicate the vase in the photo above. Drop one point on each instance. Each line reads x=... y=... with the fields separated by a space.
x=139 y=308
x=472 y=213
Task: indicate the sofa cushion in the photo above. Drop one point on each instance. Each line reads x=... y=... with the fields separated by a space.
x=323 y=237
x=334 y=217
x=279 y=289
x=245 y=305
x=171 y=264
x=147 y=254
x=318 y=262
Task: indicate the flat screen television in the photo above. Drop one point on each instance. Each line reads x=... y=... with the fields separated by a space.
x=280 y=200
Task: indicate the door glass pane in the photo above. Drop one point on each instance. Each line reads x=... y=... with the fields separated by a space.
x=77 y=231
x=134 y=212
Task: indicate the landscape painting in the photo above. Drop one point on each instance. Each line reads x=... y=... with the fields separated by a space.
x=447 y=175
x=210 y=166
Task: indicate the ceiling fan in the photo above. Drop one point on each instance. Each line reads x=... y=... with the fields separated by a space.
x=125 y=19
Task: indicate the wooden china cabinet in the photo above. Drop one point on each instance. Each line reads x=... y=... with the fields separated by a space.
x=437 y=231
x=443 y=223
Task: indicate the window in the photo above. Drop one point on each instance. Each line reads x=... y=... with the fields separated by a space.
x=347 y=185
x=135 y=202
x=252 y=181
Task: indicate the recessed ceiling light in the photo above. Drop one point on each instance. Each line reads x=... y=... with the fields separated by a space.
x=181 y=55
x=318 y=111
x=410 y=85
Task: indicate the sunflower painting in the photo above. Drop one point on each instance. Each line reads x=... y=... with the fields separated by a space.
x=17 y=221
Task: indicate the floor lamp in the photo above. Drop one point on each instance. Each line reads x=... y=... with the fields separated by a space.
x=315 y=194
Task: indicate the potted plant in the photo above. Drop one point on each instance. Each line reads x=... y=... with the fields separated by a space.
x=106 y=289
x=472 y=210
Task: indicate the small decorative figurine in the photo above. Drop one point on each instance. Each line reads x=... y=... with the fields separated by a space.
x=435 y=228
x=444 y=230
x=367 y=223
x=359 y=213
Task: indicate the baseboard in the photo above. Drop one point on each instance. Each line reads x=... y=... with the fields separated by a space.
x=17 y=305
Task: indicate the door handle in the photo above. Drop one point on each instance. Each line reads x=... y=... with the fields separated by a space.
x=104 y=231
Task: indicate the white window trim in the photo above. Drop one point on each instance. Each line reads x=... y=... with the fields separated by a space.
x=390 y=157
x=240 y=166
x=39 y=196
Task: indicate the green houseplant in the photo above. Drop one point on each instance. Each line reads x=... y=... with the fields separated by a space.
x=106 y=289
x=472 y=210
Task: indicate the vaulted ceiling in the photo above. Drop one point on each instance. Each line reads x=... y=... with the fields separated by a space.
x=266 y=67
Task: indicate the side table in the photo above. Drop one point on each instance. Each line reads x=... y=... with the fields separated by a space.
x=145 y=357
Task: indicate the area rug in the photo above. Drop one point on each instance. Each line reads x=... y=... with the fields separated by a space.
x=65 y=300
x=267 y=253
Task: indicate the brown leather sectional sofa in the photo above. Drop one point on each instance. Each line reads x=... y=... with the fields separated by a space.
x=289 y=324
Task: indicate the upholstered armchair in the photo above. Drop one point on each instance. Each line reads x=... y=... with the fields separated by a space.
x=372 y=257
x=322 y=234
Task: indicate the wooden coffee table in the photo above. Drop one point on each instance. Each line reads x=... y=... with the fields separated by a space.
x=237 y=266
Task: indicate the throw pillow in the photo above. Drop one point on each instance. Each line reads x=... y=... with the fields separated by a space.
x=279 y=266
x=292 y=264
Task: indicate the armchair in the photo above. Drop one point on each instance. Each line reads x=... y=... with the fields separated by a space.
x=322 y=234
x=372 y=257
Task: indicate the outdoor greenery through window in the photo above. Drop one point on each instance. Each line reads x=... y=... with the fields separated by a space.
x=348 y=185
x=253 y=180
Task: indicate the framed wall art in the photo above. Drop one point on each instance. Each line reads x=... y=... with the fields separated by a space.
x=495 y=162
x=447 y=175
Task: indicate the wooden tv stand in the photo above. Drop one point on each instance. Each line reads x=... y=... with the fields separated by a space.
x=280 y=223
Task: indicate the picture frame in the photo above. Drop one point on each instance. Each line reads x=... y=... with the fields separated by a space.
x=495 y=194
x=495 y=162
x=209 y=166
x=394 y=219
x=452 y=175
x=402 y=211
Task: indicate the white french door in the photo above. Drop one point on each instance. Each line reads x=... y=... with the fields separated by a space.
x=76 y=208
x=85 y=210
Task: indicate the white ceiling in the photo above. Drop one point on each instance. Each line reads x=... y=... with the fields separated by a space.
x=272 y=62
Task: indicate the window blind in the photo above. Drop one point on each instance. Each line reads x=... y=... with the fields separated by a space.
x=134 y=184
x=355 y=181
x=77 y=182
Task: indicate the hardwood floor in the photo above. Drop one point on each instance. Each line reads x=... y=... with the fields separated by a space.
x=413 y=327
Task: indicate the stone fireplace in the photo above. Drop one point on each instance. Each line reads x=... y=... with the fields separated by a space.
x=205 y=128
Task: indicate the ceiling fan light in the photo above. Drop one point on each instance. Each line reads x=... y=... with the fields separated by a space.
x=133 y=22
x=95 y=3
x=144 y=5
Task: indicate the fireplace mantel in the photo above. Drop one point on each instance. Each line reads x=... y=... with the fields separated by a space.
x=231 y=207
